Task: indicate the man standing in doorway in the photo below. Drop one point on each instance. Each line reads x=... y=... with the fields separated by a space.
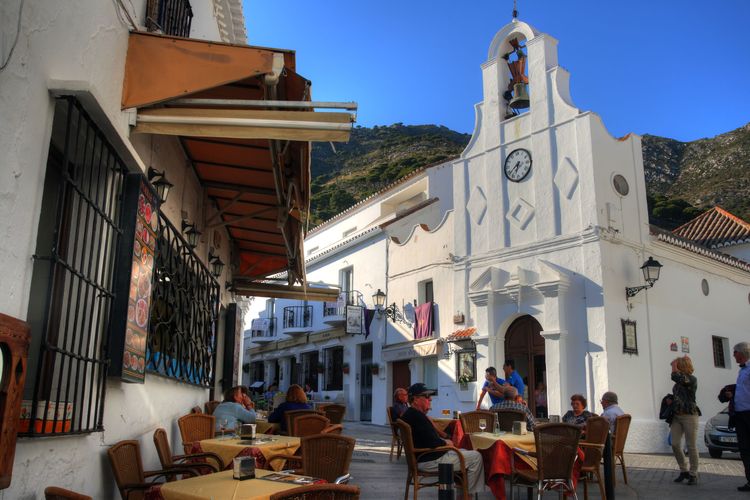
x=742 y=408
x=512 y=377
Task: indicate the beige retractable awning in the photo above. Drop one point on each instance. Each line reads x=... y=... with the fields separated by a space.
x=286 y=292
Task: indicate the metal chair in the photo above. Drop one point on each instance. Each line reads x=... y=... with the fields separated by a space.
x=597 y=430
x=622 y=425
x=319 y=492
x=195 y=427
x=335 y=413
x=56 y=493
x=556 y=452
x=506 y=418
x=195 y=461
x=125 y=458
x=470 y=420
x=412 y=460
x=395 y=437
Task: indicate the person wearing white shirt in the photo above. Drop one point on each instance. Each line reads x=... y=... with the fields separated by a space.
x=611 y=410
x=741 y=396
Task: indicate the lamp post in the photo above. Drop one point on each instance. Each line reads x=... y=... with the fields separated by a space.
x=651 y=269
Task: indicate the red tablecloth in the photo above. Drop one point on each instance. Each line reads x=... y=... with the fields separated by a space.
x=459 y=438
x=497 y=459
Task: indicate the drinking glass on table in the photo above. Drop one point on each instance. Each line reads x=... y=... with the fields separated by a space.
x=224 y=422
x=482 y=424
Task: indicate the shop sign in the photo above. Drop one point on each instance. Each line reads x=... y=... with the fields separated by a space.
x=412 y=351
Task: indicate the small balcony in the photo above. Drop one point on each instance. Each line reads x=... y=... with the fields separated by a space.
x=263 y=330
x=297 y=320
x=170 y=17
x=334 y=313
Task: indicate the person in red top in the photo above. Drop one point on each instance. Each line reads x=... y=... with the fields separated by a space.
x=425 y=435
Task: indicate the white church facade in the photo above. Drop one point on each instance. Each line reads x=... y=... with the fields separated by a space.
x=525 y=245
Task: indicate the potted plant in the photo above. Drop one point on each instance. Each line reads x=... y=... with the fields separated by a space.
x=463 y=381
x=375 y=369
x=345 y=368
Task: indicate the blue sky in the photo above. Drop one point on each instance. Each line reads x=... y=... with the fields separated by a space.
x=675 y=68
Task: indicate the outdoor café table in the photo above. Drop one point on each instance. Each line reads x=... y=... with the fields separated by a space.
x=221 y=486
x=496 y=451
x=454 y=429
x=265 y=446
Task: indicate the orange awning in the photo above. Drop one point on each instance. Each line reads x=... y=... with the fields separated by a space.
x=254 y=164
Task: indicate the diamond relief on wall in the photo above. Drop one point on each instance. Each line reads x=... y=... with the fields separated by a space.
x=520 y=213
x=566 y=178
x=477 y=205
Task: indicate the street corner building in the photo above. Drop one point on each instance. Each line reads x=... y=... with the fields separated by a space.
x=156 y=168
x=534 y=245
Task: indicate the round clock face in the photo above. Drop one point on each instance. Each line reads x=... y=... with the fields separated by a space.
x=517 y=165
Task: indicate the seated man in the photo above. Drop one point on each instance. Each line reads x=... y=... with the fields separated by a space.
x=233 y=410
x=510 y=394
x=400 y=398
x=493 y=386
x=611 y=410
x=425 y=435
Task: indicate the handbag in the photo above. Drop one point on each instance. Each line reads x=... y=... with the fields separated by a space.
x=666 y=412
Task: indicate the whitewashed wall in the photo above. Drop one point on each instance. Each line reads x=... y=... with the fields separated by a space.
x=81 y=46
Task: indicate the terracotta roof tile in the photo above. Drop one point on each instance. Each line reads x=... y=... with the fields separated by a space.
x=673 y=239
x=462 y=334
x=715 y=228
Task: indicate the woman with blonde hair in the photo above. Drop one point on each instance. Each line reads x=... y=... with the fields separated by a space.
x=685 y=413
x=295 y=400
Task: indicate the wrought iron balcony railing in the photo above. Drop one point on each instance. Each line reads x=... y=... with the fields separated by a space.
x=263 y=327
x=171 y=17
x=297 y=317
x=338 y=308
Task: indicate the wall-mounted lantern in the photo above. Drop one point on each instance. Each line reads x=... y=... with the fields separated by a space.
x=160 y=183
x=651 y=269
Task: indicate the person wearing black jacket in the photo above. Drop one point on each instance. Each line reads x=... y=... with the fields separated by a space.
x=425 y=435
x=685 y=414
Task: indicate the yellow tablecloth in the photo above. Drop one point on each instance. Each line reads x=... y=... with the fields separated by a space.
x=221 y=486
x=263 y=426
x=227 y=449
x=442 y=423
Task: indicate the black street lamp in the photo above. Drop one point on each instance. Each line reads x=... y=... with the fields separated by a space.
x=651 y=269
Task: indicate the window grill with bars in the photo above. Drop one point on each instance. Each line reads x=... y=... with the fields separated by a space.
x=72 y=281
x=184 y=312
x=718 y=347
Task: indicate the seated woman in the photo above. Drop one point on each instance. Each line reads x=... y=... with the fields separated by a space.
x=236 y=408
x=295 y=400
x=578 y=415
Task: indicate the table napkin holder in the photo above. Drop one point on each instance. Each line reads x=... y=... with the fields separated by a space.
x=243 y=468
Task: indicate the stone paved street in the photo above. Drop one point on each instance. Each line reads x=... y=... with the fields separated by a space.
x=649 y=476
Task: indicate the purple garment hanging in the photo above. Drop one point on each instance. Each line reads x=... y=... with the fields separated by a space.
x=423 y=321
x=369 y=315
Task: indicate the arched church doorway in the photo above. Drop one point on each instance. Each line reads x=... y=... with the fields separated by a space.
x=525 y=346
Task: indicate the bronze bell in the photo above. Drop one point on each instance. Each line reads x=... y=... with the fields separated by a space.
x=520 y=97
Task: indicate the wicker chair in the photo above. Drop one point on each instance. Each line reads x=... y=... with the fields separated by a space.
x=324 y=456
x=195 y=427
x=556 y=452
x=290 y=415
x=470 y=420
x=506 y=418
x=319 y=492
x=335 y=413
x=622 y=425
x=210 y=406
x=55 y=493
x=597 y=429
x=196 y=461
x=414 y=474
x=333 y=429
x=308 y=425
x=125 y=458
x=395 y=437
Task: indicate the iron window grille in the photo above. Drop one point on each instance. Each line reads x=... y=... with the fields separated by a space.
x=184 y=312
x=718 y=348
x=171 y=17
x=79 y=233
x=338 y=308
x=262 y=327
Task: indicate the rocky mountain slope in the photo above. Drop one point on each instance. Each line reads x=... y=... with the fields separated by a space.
x=682 y=178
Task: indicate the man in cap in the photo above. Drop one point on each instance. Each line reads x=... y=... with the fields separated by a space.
x=425 y=435
x=611 y=410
